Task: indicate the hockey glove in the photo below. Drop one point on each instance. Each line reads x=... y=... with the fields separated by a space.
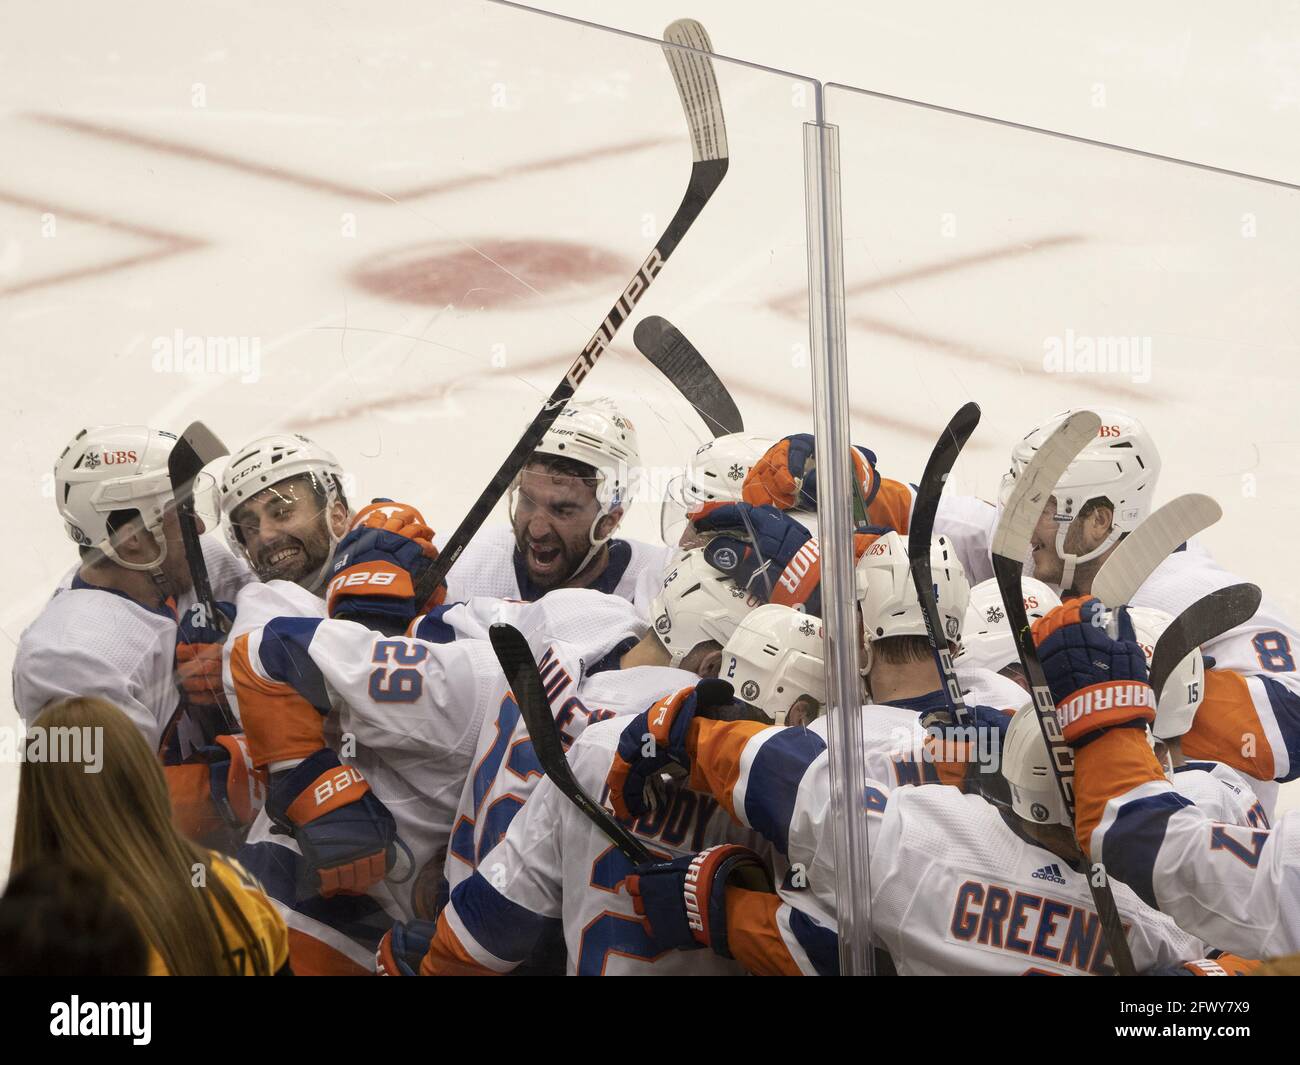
x=377 y=566
x=786 y=476
x=1218 y=964
x=344 y=832
x=1095 y=668
x=198 y=659
x=750 y=544
x=403 y=948
x=682 y=903
x=238 y=790
x=655 y=740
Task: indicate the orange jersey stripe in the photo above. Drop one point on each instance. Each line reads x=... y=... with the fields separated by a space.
x=1227 y=728
x=754 y=936
x=310 y=957
x=447 y=956
x=715 y=748
x=1114 y=763
x=279 y=724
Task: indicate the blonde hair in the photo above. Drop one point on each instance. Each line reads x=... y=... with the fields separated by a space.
x=118 y=822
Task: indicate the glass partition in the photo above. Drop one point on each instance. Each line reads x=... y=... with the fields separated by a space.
x=1033 y=273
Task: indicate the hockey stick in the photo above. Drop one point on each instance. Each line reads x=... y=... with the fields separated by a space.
x=1136 y=556
x=1206 y=619
x=919 y=536
x=692 y=70
x=517 y=663
x=668 y=350
x=194 y=449
x=1011 y=545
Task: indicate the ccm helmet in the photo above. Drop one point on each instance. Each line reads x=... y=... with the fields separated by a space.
x=270 y=460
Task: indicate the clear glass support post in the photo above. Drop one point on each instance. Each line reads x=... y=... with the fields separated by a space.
x=835 y=523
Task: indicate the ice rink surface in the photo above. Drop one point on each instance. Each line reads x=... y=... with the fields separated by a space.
x=392 y=226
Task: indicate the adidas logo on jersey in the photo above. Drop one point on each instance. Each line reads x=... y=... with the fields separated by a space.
x=1049 y=872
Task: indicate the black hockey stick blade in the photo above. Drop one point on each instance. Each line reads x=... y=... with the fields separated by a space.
x=195 y=448
x=1136 y=557
x=1207 y=618
x=698 y=87
x=520 y=668
x=668 y=350
x=1012 y=539
x=920 y=536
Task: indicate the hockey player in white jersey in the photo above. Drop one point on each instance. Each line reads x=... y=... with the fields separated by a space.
x=124 y=625
x=555 y=873
x=1105 y=493
x=694 y=613
x=565 y=508
x=426 y=726
x=1238 y=887
x=959 y=886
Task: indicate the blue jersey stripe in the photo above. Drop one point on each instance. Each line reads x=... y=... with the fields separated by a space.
x=1286 y=708
x=504 y=928
x=432 y=629
x=1131 y=844
x=284 y=655
x=821 y=944
x=774 y=782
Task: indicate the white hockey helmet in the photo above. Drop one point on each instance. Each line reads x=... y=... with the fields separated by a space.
x=1121 y=465
x=114 y=467
x=715 y=474
x=887 y=596
x=1035 y=795
x=597 y=434
x=776 y=655
x=1184 y=689
x=986 y=638
x=697 y=603
x=266 y=462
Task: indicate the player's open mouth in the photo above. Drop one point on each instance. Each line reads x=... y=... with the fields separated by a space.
x=543 y=559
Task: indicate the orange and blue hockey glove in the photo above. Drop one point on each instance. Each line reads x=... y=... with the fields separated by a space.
x=1095 y=668
x=403 y=947
x=377 y=566
x=655 y=740
x=345 y=833
x=682 y=903
x=751 y=545
x=786 y=475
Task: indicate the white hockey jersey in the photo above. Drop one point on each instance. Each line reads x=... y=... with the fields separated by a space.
x=92 y=641
x=954 y=889
x=420 y=719
x=576 y=658
x=1264 y=646
x=555 y=872
x=490 y=566
x=1237 y=887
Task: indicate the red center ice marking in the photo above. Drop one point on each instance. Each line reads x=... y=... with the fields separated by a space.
x=491 y=273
